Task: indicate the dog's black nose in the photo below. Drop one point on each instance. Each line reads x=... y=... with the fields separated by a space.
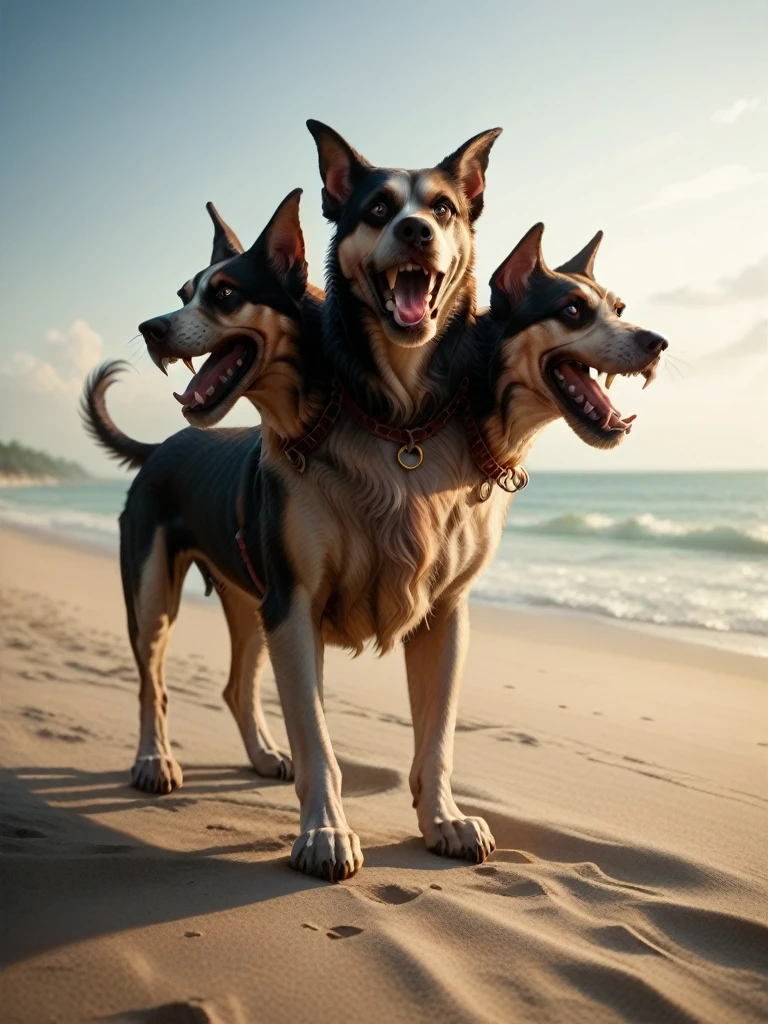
x=651 y=342
x=414 y=231
x=155 y=329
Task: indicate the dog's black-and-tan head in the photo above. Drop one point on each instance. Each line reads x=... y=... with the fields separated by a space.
x=404 y=239
x=243 y=312
x=559 y=331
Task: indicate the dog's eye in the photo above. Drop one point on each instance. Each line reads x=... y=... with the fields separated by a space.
x=442 y=209
x=378 y=211
x=223 y=293
x=571 y=312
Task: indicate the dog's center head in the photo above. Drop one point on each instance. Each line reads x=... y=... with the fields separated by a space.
x=243 y=312
x=404 y=241
x=561 y=331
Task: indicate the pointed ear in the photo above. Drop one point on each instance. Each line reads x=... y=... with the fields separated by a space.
x=583 y=262
x=282 y=237
x=226 y=244
x=281 y=243
x=511 y=279
x=468 y=166
x=341 y=167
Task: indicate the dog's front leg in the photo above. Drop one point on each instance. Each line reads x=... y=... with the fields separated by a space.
x=434 y=660
x=326 y=847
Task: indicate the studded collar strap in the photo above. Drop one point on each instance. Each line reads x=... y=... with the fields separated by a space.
x=296 y=451
x=509 y=478
x=401 y=435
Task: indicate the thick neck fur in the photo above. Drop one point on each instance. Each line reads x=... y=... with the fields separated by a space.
x=397 y=385
x=294 y=388
x=509 y=411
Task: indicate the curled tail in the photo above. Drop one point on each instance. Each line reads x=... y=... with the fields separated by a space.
x=99 y=424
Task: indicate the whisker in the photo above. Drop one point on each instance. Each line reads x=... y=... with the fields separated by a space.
x=134 y=338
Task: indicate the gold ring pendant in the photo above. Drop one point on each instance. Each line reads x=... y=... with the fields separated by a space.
x=410 y=459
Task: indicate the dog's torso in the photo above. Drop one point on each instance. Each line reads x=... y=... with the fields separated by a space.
x=376 y=546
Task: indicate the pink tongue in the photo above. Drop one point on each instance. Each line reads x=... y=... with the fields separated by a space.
x=411 y=294
x=209 y=376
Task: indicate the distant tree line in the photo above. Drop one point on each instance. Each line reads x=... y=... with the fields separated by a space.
x=16 y=460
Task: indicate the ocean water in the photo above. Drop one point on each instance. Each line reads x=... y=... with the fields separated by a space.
x=683 y=553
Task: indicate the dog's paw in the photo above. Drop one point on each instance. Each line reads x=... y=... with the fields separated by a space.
x=332 y=854
x=272 y=764
x=468 y=838
x=156 y=773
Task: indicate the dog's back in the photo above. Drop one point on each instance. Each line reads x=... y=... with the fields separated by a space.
x=190 y=487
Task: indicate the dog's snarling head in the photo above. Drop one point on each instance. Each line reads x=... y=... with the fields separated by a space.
x=404 y=238
x=240 y=312
x=560 y=331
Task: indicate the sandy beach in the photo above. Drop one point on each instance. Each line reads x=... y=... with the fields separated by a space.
x=624 y=777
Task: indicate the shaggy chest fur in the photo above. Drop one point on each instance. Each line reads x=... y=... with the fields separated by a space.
x=377 y=546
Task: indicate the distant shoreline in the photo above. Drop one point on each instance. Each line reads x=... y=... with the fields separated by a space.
x=30 y=480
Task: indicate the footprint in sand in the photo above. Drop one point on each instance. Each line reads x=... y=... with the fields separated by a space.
x=395 y=895
x=343 y=931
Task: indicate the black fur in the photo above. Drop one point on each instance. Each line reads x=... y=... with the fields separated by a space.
x=99 y=424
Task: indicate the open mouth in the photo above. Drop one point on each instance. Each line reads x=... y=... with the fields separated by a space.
x=219 y=375
x=409 y=293
x=577 y=387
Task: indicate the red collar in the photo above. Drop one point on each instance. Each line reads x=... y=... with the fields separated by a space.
x=400 y=435
x=509 y=478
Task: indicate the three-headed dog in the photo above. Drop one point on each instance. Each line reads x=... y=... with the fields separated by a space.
x=361 y=541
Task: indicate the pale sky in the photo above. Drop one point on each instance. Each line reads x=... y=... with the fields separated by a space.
x=119 y=120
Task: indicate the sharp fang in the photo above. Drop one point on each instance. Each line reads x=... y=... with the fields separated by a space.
x=210 y=391
x=223 y=379
x=391 y=276
x=609 y=380
x=188 y=363
x=164 y=365
x=588 y=407
x=199 y=398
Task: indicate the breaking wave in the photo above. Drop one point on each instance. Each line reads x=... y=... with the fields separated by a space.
x=649 y=529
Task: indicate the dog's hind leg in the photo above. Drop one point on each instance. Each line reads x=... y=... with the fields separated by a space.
x=249 y=656
x=152 y=586
x=434 y=659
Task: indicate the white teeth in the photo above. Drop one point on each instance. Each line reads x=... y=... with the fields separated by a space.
x=579 y=399
x=222 y=378
x=559 y=375
x=239 y=362
x=588 y=407
x=230 y=371
x=571 y=389
x=199 y=398
x=390 y=305
x=391 y=276
x=165 y=363
x=609 y=380
x=210 y=391
x=592 y=415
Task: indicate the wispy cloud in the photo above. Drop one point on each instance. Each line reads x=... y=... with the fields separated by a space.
x=727 y=115
x=706 y=186
x=753 y=343
x=71 y=354
x=748 y=285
